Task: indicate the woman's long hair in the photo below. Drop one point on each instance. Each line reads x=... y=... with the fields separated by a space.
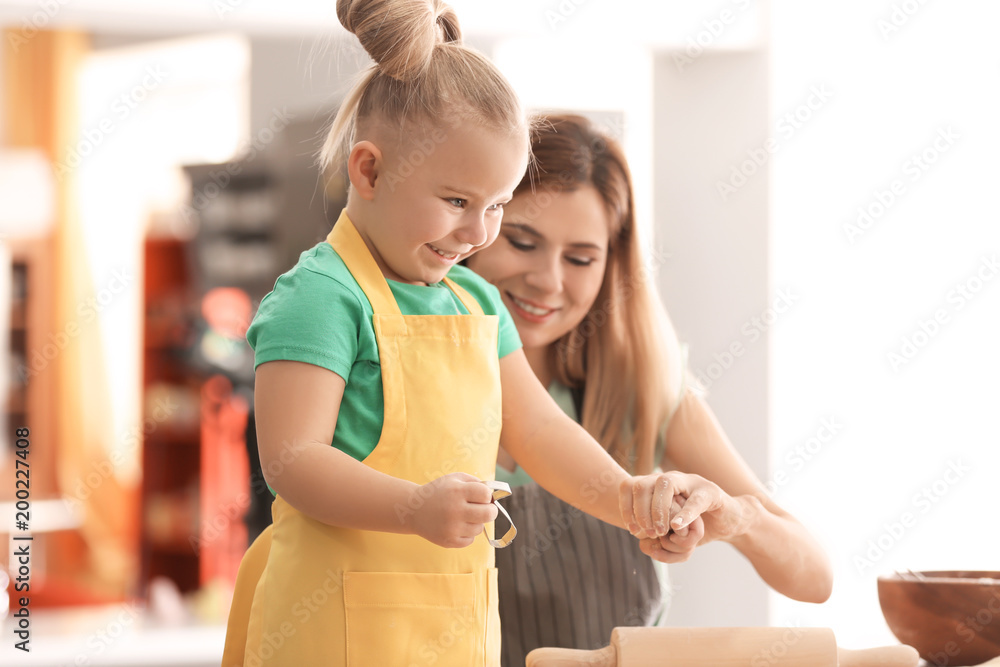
x=624 y=354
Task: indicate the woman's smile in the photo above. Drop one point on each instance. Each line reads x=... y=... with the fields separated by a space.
x=530 y=310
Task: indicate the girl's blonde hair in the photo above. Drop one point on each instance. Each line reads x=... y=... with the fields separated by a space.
x=624 y=353
x=422 y=73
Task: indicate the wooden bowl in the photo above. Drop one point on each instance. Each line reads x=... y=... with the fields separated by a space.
x=950 y=617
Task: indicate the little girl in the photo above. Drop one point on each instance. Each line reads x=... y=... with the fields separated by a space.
x=378 y=344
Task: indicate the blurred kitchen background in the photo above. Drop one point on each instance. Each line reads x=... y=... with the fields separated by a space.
x=818 y=184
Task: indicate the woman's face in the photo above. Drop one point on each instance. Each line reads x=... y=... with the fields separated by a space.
x=548 y=261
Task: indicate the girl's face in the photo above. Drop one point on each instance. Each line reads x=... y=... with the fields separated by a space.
x=440 y=197
x=549 y=261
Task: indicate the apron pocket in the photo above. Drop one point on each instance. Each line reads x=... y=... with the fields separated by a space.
x=401 y=618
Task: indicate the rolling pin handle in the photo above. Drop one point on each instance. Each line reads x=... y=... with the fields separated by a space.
x=886 y=656
x=567 y=657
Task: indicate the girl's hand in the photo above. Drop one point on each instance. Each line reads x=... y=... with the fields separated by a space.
x=678 y=545
x=649 y=510
x=452 y=510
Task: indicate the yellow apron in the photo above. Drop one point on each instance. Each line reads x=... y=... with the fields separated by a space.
x=336 y=596
x=251 y=568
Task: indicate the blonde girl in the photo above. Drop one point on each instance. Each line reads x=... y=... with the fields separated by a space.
x=569 y=267
x=387 y=376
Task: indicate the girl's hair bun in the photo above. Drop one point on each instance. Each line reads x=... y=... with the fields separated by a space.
x=423 y=74
x=400 y=35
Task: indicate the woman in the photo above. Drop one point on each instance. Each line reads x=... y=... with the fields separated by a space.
x=569 y=268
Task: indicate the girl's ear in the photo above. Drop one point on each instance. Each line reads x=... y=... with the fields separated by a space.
x=363 y=167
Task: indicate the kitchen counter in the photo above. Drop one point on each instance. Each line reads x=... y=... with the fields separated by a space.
x=107 y=636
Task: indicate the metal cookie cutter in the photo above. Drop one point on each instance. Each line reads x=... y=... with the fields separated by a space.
x=501 y=490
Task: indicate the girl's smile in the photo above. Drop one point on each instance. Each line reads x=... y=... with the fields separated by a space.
x=448 y=257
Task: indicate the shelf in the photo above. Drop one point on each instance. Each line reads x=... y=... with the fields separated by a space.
x=17 y=318
x=165 y=340
x=19 y=287
x=17 y=403
x=19 y=340
x=173 y=439
x=171 y=548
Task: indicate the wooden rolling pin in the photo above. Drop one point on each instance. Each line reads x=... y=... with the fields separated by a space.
x=724 y=647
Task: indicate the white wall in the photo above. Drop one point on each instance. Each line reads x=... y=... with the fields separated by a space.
x=707 y=114
x=306 y=76
x=909 y=480
x=3 y=101
x=627 y=21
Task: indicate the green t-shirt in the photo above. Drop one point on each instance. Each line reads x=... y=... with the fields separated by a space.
x=318 y=314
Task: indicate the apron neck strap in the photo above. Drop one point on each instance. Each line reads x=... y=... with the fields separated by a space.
x=346 y=240
x=467 y=299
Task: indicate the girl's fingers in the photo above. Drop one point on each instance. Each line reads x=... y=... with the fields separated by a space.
x=654 y=549
x=643 y=490
x=691 y=537
x=470 y=531
x=664 y=505
x=476 y=491
x=667 y=544
x=480 y=513
x=635 y=497
x=653 y=505
x=462 y=542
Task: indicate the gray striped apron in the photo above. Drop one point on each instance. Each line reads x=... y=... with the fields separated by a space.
x=569 y=579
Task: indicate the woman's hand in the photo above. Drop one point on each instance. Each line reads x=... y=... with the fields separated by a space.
x=655 y=505
x=451 y=510
x=780 y=548
x=678 y=545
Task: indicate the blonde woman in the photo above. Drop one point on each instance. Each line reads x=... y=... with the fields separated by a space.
x=569 y=269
